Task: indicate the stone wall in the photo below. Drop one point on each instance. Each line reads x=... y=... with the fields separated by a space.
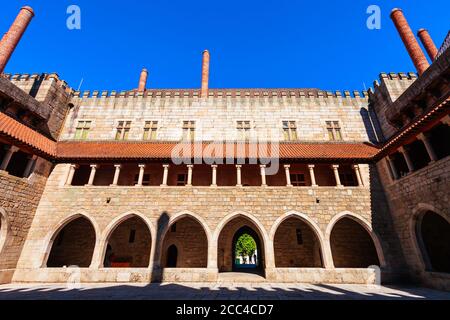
x=263 y=208
x=410 y=197
x=216 y=117
x=19 y=200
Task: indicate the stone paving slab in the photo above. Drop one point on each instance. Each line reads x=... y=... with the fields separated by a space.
x=207 y=291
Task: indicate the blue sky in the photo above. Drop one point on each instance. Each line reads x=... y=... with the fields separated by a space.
x=253 y=44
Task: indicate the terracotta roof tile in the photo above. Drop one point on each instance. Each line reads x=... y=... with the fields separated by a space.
x=25 y=135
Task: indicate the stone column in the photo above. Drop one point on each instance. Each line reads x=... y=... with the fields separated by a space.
x=189 y=179
x=263 y=175
x=141 y=175
x=31 y=160
x=71 y=173
x=393 y=168
x=214 y=175
x=446 y=120
x=428 y=146
x=7 y=157
x=336 y=175
x=312 y=175
x=358 y=175
x=407 y=159
x=116 y=174
x=287 y=168
x=238 y=175
x=94 y=168
x=165 y=175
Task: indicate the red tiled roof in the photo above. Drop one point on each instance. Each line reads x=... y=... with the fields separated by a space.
x=140 y=150
x=24 y=135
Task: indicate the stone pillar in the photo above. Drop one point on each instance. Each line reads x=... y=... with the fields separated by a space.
x=189 y=179
x=141 y=175
x=393 y=168
x=7 y=157
x=312 y=175
x=11 y=39
x=71 y=174
x=288 y=175
x=428 y=146
x=335 y=168
x=31 y=161
x=358 y=175
x=407 y=159
x=238 y=175
x=263 y=175
x=165 y=175
x=94 y=168
x=214 y=175
x=116 y=174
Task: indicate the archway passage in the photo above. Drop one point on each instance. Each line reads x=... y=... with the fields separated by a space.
x=352 y=246
x=296 y=245
x=245 y=250
x=129 y=245
x=435 y=233
x=189 y=239
x=227 y=256
x=74 y=245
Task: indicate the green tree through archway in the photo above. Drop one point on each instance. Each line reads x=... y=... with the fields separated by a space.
x=245 y=246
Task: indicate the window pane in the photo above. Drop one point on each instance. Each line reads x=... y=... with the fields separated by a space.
x=331 y=134
x=118 y=134
x=338 y=134
x=78 y=133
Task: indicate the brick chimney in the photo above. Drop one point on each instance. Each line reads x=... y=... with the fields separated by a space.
x=205 y=75
x=428 y=43
x=410 y=41
x=10 y=40
x=143 y=80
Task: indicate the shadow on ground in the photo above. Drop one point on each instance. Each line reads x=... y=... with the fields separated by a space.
x=218 y=292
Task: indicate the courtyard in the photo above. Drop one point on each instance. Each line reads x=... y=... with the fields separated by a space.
x=219 y=291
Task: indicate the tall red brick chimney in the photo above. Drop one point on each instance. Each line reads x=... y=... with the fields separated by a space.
x=11 y=39
x=143 y=80
x=428 y=43
x=205 y=75
x=410 y=41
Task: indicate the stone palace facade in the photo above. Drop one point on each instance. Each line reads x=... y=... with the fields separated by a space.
x=156 y=185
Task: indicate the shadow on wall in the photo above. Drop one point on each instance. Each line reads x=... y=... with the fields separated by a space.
x=372 y=126
x=162 y=225
x=186 y=292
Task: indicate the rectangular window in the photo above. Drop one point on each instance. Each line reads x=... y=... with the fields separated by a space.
x=298 y=180
x=244 y=130
x=188 y=130
x=150 y=130
x=334 y=131
x=132 y=237
x=123 y=130
x=182 y=180
x=290 y=130
x=145 y=181
x=82 y=130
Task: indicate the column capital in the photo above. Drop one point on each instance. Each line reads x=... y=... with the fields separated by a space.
x=446 y=120
x=142 y=166
x=311 y=166
x=287 y=166
x=118 y=166
x=94 y=166
x=263 y=166
x=190 y=166
x=74 y=166
x=239 y=166
x=402 y=149
x=335 y=166
x=214 y=166
x=421 y=136
x=356 y=166
x=166 y=166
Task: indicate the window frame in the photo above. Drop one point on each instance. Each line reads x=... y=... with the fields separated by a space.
x=84 y=129
x=125 y=130
x=244 y=130
x=189 y=128
x=334 y=130
x=290 y=132
x=151 y=132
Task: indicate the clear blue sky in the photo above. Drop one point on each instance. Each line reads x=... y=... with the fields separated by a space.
x=259 y=44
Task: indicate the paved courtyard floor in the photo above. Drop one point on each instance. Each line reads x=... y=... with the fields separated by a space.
x=220 y=291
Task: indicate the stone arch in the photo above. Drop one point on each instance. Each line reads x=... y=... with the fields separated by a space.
x=115 y=224
x=316 y=232
x=56 y=231
x=362 y=223
x=4 y=229
x=191 y=237
x=226 y=244
x=416 y=235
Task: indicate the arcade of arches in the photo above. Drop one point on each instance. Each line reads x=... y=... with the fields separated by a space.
x=185 y=244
